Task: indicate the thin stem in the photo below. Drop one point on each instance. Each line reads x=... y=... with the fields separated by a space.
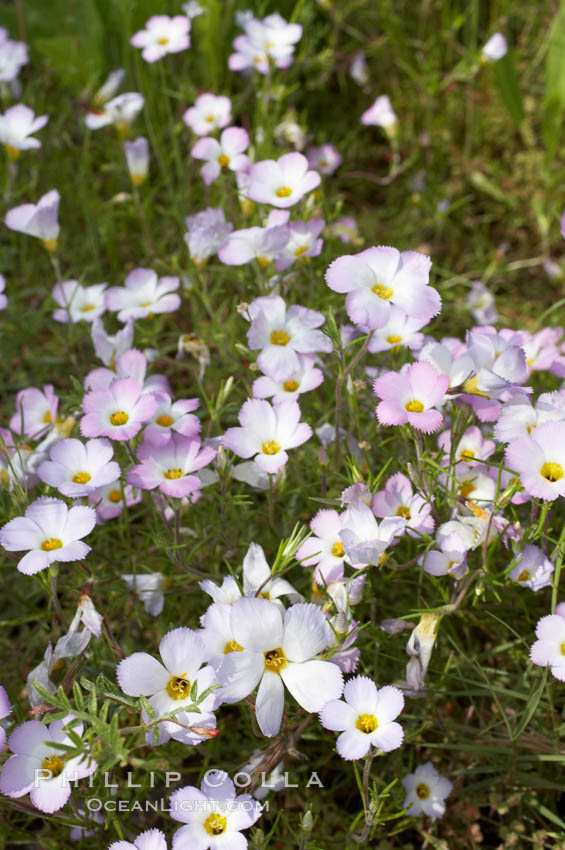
x=339 y=384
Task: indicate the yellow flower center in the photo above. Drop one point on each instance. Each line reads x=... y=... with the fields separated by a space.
x=265 y=595
x=337 y=549
x=384 y=292
x=210 y=119
x=146 y=304
x=120 y=417
x=165 y=420
x=300 y=251
x=467 y=454
x=423 y=791
x=471 y=387
x=263 y=262
x=171 y=474
x=562 y=647
x=87 y=308
x=367 y=723
x=50 y=244
x=552 y=472
x=215 y=824
x=393 y=339
x=283 y=192
x=414 y=406
x=51 y=543
x=115 y=496
x=82 y=477
x=54 y=764
x=275 y=660
x=223 y=161
x=404 y=512
x=48 y=418
x=270 y=447
x=280 y=338
x=178 y=687
x=232 y=646
x=524 y=575
x=164 y=40
x=466 y=489
x=290 y=386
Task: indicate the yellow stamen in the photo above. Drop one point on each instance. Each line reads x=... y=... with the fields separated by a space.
x=290 y=386
x=120 y=417
x=165 y=420
x=232 y=646
x=209 y=119
x=48 y=417
x=54 y=765
x=300 y=251
x=270 y=448
x=562 y=647
x=275 y=660
x=467 y=454
x=163 y=40
x=172 y=474
x=552 y=472
x=115 y=496
x=51 y=543
x=384 y=292
x=404 y=512
x=393 y=339
x=223 y=161
x=178 y=687
x=263 y=261
x=367 y=723
x=423 y=791
x=280 y=338
x=82 y=477
x=87 y=308
x=524 y=575
x=215 y=824
x=337 y=549
x=283 y=192
x=414 y=406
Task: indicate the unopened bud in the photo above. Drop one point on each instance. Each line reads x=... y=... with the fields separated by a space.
x=307 y=823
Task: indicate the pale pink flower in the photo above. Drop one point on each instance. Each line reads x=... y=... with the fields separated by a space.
x=223 y=155
x=410 y=396
x=162 y=35
x=36 y=411
x=380 y=114
x=78 y=303
x=40 y=220
x=170 y=467
x=282 y=182
x=325 y=159
x=50 y=531
x=118 y=412
x=547 y=651
x=210 y=112
x=17 y=126
x=379 y=277
x=266 y=432
x=76 y=468
x=539 y=460
x=143 y=295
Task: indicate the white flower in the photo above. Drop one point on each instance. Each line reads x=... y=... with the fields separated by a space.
x=533 y=569
x=78 y=303
x=40 y=220
x=149 y=587
x=381 y=114
x=121 y=111
x=276 y=653
x=137 y=159
x=257 y=577
x=365 y=717
x=17 y=125
x=495 y=48
x=548 y=649
x=426 y=791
